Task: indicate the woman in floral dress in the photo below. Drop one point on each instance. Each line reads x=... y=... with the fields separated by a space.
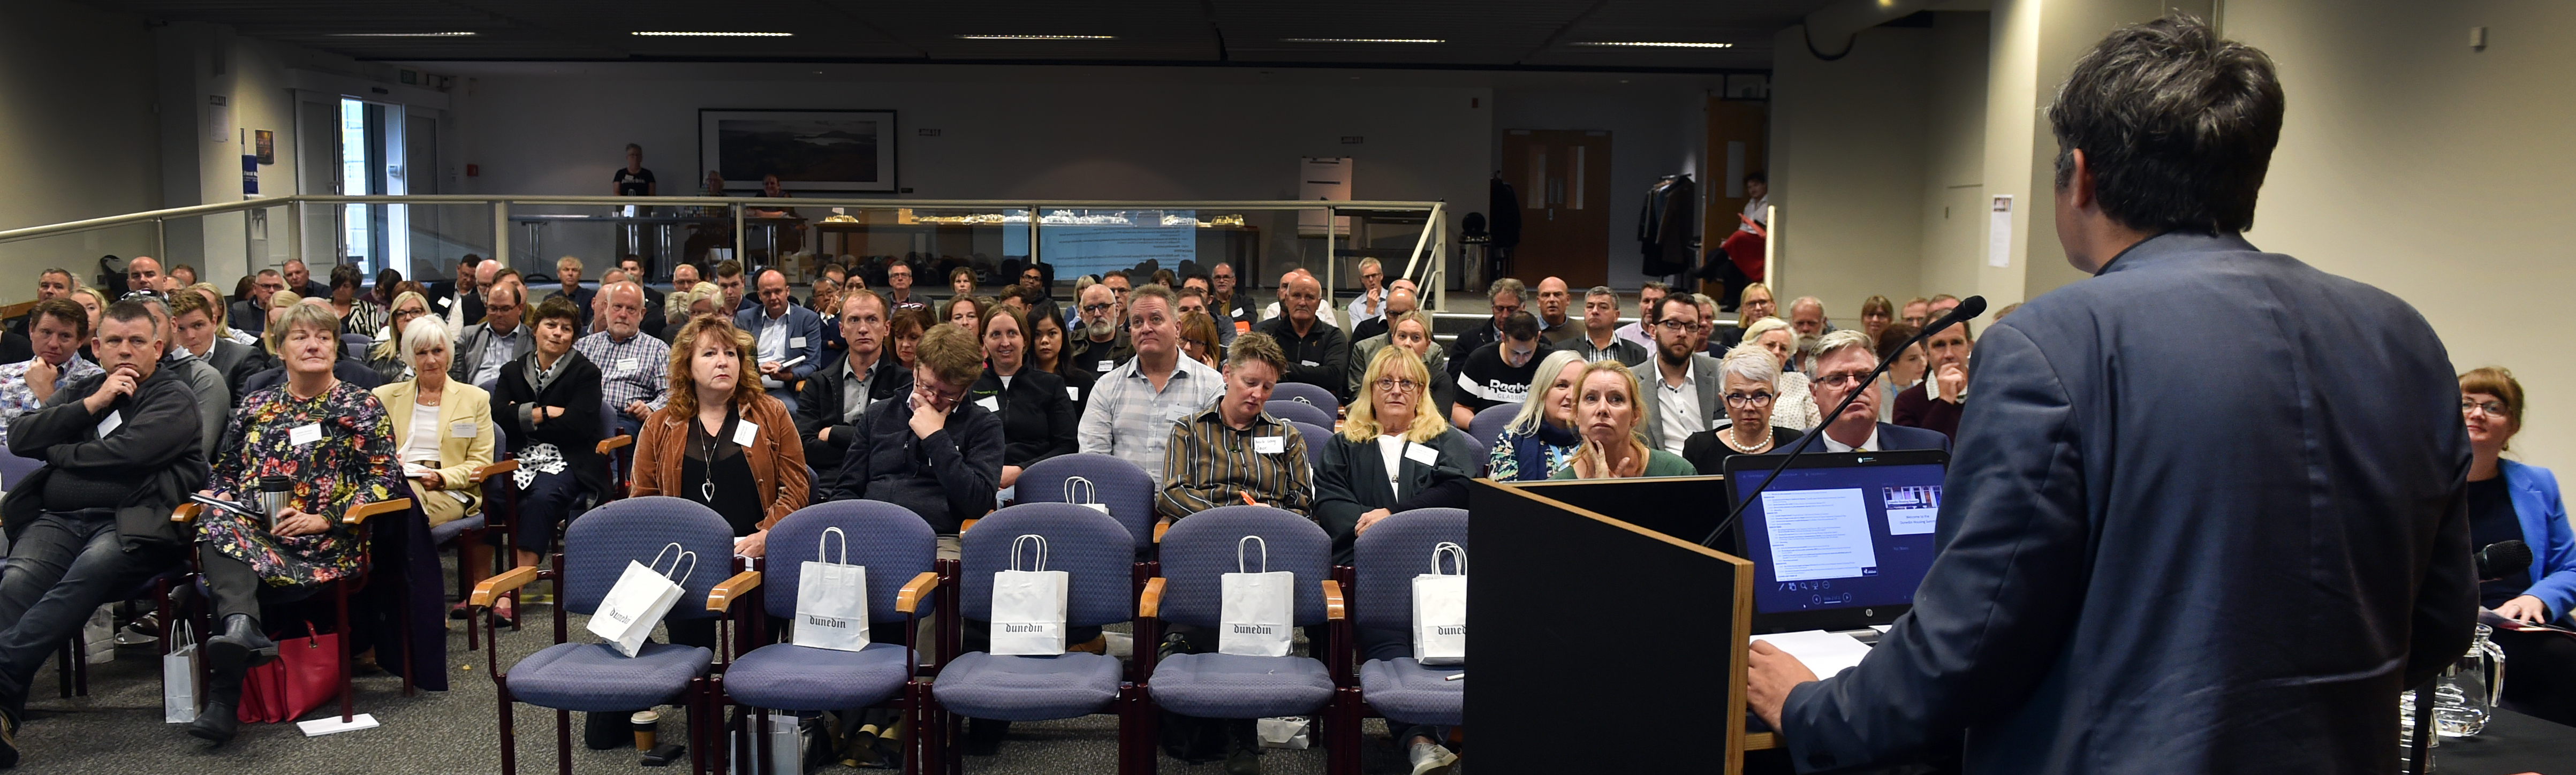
x=335 y=442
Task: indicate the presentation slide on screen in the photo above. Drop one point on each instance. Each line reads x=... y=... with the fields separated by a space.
x=1911 y=510
x=1080 y=242
x=1818 y=534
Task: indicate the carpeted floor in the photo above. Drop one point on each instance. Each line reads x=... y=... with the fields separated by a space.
x=118 y=728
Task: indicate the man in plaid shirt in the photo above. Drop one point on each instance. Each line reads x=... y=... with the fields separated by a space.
x=631 y=365
x=1134 y=405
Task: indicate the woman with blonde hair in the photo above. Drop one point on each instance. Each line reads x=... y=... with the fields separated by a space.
x=1755 y=303
x=1607 y=413
x=388 y=357
x=1394 y=453
x=1541 y=437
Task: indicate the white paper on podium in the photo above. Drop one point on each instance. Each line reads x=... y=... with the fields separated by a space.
x=1822 y=652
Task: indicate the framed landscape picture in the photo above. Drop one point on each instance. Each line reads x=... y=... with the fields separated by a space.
x=809 y=150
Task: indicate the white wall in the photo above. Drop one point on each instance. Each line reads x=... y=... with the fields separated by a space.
x=2437 y=172
x=1849 y=158
x=1656 y=129
x=77 y=134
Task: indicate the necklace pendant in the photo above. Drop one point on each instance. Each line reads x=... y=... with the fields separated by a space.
x=707 y=490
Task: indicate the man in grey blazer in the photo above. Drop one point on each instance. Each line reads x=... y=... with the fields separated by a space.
x=1682 y=390
x=484 y=348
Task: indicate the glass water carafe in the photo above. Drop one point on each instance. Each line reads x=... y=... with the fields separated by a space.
x=2466 y=693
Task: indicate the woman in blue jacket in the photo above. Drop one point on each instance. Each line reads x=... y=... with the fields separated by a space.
x=2510 y=501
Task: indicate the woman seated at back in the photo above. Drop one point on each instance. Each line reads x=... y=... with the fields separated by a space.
x=1199 y=339
x=332 y=442
x=1745 y=378
x=389 y=358
x=721 y=441
x=1606 y=413
x=1541 y=438
x=1393 y=454
x=1046 y=353
x=1037 y=415
x=1795 y=407
x=548 y=401
x=442 y=428
x=967 y=311
x=2513 y=501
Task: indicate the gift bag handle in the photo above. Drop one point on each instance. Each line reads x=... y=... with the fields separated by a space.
x=685 y=554
x=1457 y=554
x=1265 y=554
x=1041 y=542
x=1090 y=492
x=828 y=533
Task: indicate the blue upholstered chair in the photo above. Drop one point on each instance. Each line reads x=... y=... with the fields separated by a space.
x=1127 y=490
x=594 y=677
x=1196 y=553
x=1094 y=552
x=1298 y=411
x=1488 y=425
x=619 y=449
x=1385 y=560
x=356 y=345
x=14 y=468
x=1314 y=395
x=1316 y=437
x=898 y=549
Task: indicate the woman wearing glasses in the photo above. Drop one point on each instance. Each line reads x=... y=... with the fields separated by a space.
x=2511 y=501
x=386 y=358
x=1745 y=375
x=1795 y=407
x=1394 y=454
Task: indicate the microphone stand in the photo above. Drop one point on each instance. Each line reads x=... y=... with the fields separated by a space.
x=1968 y=308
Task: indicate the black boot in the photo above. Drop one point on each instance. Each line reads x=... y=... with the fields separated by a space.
x=241 y=645
x=603 y=730
x=984 y=736
x=8 y=740
x=1245 y=756
x=219 y=720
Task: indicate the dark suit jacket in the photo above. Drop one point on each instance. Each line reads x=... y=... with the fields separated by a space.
x=1037 y=415
x=1352 y=481
x=2124 y=589
x=576 y=434
x=237 y=361
x=819 y=406
x=248 y=317
x=1889 y=437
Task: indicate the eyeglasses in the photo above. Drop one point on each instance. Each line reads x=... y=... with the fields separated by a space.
x=133 y=295
x=1676 y=325
x=1839 y=380
x=2491 y=408
x=1397 y=385
x=1740 y=400
x=1101 y=307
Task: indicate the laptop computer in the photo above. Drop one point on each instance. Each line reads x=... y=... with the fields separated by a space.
x=1841 y=542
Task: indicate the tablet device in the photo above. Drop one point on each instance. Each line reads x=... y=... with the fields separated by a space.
x=1841 y=542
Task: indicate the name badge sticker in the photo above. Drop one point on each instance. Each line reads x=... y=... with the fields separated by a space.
x=304 y=434
x=109 y=424
x=1270 y=445
x=628 y=365
x=1422 y=454
x=744 y=431
x=797 y=342
x=990 y=403
x=462 y=429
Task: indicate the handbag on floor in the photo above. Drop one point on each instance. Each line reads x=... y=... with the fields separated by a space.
x=1440 y=610
x=831 y=600
x=1256 y=609
x=305 y=675
x=638 y=601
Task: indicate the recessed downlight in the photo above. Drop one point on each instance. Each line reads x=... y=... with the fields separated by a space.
x=402 y=35
x=1652 y=44
x=1362 y=40
x=1037 y=37
x=710 y=34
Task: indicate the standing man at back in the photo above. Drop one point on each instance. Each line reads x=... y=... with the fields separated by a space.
x=2119 y=590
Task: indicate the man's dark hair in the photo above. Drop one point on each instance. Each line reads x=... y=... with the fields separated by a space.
x=2176 y=124
x=345 y=274
x=1521 y=325
x=634 y=147
x=728 y=268
x=1012 y=291
x=1756 y=176
x=1670 y=299
x=64 y=310
x=470 y=260
x=126 y=311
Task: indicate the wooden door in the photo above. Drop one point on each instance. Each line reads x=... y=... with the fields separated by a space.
x=1738 y=144
x=1563 y=177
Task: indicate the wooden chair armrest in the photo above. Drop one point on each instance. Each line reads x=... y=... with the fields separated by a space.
x=493 y=587
x=1333 y=607
x=187 y=513
x=613 y=442
x=720 y=599
x=1160 y=528
x=966 y=525
x=493 y=470
x=359 y=515
x=916 y=590
x=1150 y=604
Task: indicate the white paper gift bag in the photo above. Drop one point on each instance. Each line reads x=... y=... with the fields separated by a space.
x=1029 y=605
x=1087 y=495
x=1440 y=610
x=1257 y=613
x=179 y=677
x=640 y=598
x=831 y=599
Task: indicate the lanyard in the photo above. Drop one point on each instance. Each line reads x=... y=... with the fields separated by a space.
x=707 y=486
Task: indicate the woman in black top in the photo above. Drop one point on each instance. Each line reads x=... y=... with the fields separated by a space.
x=548 y=402
x=1394 y=454
x=1744 y=382
x=2513 y=501
x=1046 y=354
x=1037 y=415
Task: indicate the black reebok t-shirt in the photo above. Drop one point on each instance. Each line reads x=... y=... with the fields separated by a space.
x=638 y=184
x=1486 y=381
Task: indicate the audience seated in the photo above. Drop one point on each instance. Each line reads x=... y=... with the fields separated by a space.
x=1636 y=331
x=1904 y=367
x=1753 y=304
x=1046 y=353
x=1370 y=334
x=358 y=314
x=837 y=395
x=1599 y=340
x=195 y=332
x=1843 y=359
x=1370 y=304
x=1101 y=345
x=568 y=272
x=1323 y=310
x=1807 y=317
x=60 y=327
x=1394 y=454
x=729 y=279
x=386 y=356
x=94 y=522
x=446 y=296
x=965 y=312
x=722 y=441
x=899 y=287
x=633 y=365
x=550 y=399
x=1683 y=381
x=1876 y=312
x=1132 y=410
x=485 y=349
x=1554 y=301
x=903 y=333
x=51 y=284
x=1542 y=435
x=2513 y=501
x=1037 y=414
x=1505 y=294
x=1746 y=374
x=1199 y=339
x=1233 y=452
x=349 y=464
x=214 y=399
x=1936 y=402
x=1795 y=408
x=933 y=451
x=1500 y=372
x=1317 y=352
x=787 y=339
x=1606 y=410
x=442 y=428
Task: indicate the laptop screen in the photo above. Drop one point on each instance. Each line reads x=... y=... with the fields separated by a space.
x=1842 y=540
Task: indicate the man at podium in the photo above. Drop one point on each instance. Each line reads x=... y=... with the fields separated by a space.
x=2124 y=586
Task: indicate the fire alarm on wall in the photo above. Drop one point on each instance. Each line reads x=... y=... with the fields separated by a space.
x=473 y=170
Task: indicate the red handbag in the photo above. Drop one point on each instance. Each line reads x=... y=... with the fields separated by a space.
x=305 y=675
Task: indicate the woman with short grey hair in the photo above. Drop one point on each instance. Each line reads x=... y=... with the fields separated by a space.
x=1794 y=407
x=1747 y=377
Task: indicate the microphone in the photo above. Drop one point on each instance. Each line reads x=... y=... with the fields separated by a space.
x=1968 y=308
x=2503 y=559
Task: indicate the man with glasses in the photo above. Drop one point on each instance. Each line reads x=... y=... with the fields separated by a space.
x=1842 y=360
x=1099 y=344
x=1317 y=353
x=932 y=452
x=1500 y=372
x=632 y=365
x=1118 y=285
x=838 y=395
x=789 y=338
x=1600 y=338
x=491 y=345
x=1233 y=308
x=1506 y=297
x=1209 y=306
x=1034 y=279
x=1685 y=380
x=1371 y=303
x=1375 y=334
x=251 y=315
x=1133 y=406
x=899 y=287
x=1937 y=402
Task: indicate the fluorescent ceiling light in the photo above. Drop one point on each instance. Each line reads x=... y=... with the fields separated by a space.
x=1653 y=44
x=714 y=34
x=1037 y=37
x=402 y=35
x=1362 y=40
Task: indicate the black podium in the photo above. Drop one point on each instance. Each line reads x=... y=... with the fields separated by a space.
x=1632 y=635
